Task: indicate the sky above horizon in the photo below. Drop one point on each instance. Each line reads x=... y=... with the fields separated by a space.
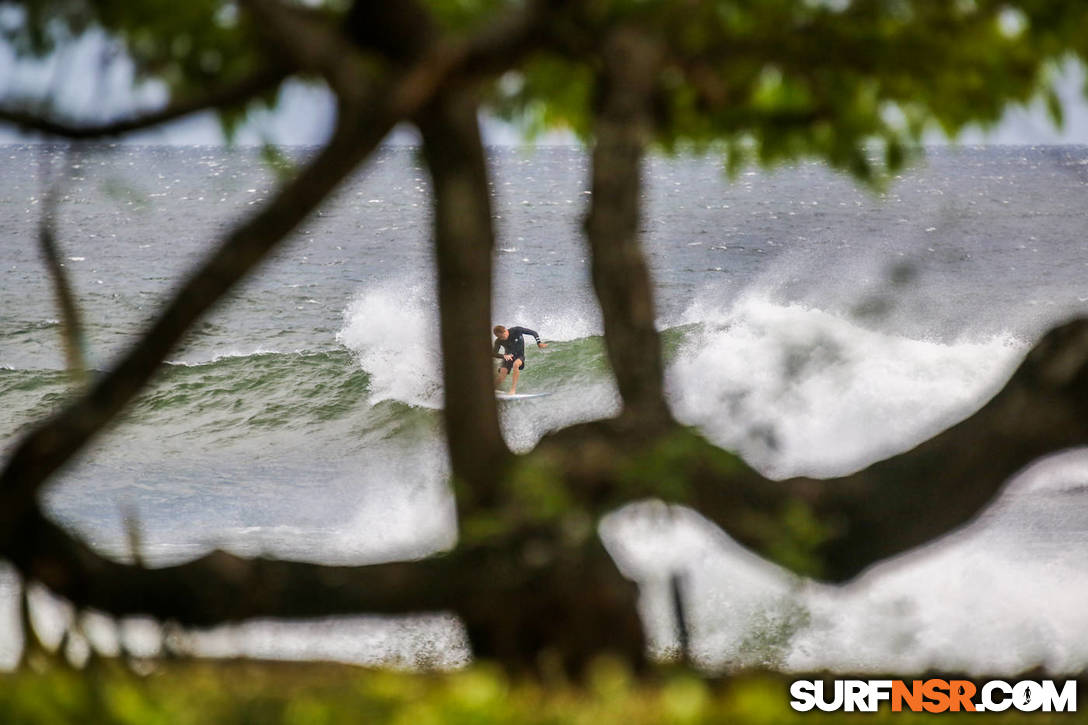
x=90 y=80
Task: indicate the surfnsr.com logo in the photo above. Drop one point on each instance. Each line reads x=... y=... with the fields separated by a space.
x=933 y=695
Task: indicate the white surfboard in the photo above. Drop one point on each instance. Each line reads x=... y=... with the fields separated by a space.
x=518 y=396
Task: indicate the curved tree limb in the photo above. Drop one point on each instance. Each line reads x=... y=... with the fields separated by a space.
x=624 y=126
x=262 y=81
x=913 y=498
x=833 y=529
x=405 y=32
x=401 y=32
x=221 y=587
x=535 y=25
x=490 y=51
x=518 y=596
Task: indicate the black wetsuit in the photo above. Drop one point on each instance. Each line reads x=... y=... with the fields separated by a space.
x=514 y=344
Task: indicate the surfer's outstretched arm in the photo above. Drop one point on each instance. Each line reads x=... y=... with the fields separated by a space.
x=527 y=331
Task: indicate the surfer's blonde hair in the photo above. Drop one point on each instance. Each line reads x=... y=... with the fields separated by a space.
x=498 y=330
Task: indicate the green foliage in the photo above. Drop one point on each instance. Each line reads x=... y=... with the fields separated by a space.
x=550 y=93
x=194 y=693
x=798 y=535
x=666 y=470
x=462 y=16
x=536 y=488
x=187 y=46
x=535 y=492
x=275 y=159
x=856 y=84
x=43 y=25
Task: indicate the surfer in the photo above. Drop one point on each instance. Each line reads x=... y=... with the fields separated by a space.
x=512 y=342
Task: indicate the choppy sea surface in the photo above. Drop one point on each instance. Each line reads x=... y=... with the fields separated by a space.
x=813 y=326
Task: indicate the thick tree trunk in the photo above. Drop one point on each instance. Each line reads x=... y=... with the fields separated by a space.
x=464 y=242
x=566 y=602
x=620 y=275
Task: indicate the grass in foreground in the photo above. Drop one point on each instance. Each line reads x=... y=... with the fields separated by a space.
x=255 y=693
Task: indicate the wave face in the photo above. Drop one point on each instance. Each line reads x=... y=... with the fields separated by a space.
x=798 y=390
x=225 y=400
x=809 y=326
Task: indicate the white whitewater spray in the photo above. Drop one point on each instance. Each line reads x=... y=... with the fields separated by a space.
x=393 y=330
x=800 y=391
x=564 y=325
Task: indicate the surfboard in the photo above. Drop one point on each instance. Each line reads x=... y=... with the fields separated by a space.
x=518 y=396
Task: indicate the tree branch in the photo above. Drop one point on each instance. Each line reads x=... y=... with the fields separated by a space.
x=221 y=587
x=911 y=499
x=834 y=529
x=404 y=32
x=519 y=596
x=260 y=82
x=400 y=32
x=536 y=25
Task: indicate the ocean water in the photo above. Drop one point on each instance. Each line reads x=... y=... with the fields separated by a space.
x=813 y=326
